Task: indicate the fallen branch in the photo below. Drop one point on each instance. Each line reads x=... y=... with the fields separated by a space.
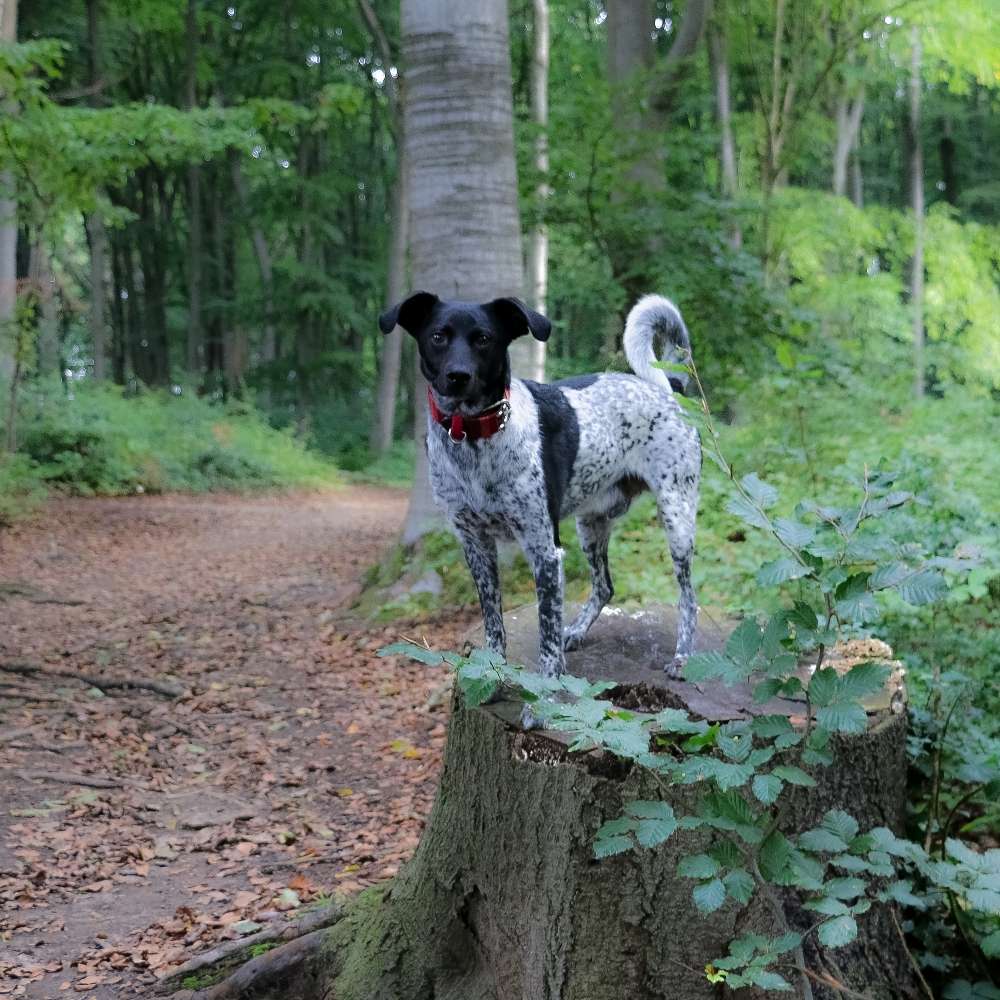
x=35 y=596
x=103 y=683
x=309 y=925
x=66 y=778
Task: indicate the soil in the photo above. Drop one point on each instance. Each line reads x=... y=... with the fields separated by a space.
x=296 y=764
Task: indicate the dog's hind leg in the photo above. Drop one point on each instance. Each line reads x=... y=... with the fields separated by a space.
x=678 y=508
x=481 y=555
x=594 y=533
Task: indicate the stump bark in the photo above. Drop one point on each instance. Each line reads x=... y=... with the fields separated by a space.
x=503 y=899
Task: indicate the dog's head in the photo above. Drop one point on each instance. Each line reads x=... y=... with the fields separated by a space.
x=463 y=345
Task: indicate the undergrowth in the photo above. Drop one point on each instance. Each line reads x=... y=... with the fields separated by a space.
x=96 y=440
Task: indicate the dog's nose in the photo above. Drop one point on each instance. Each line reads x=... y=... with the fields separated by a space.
x=458 y=379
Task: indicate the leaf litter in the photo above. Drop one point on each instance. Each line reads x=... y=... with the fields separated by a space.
x=138 y=829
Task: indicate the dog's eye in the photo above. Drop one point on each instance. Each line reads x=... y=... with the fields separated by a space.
x=438 y=339
x=481 y=339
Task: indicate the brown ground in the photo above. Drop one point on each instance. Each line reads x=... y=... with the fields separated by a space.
x=296 y=764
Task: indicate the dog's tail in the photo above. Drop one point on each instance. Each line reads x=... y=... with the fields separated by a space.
x=651 y=317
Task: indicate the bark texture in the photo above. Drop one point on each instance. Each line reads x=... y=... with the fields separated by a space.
x=465 y=232
x=8 y=223
x=504 y=901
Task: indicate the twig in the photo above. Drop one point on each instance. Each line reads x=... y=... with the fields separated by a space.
x=104 y=683
x=913 y=961
x=833 y=984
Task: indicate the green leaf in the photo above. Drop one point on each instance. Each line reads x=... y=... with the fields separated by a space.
x=697 y=866
x=794 y=533
x=743 y=644
x=841 y=824
x=607 y=846
x=861 y=681
x=844 y=888
x=781 y=570
x=823 y=687
x=822 y=840
x=902 y=892
x=674 y=720
x=766 y=980
x=838 y=932
x=843 y=717
x=889 y=575
x=623 y=824
x=653 y=832
x=767 y=788
x=740 y=885
x=478 y=690
x=794 y=775
x=985 y=900
x=709 y=896
x=414 y=652
x=746 y=511
x=803 y=617
x=774 y=854
x=712 y=665
x=991 y=945
x=923 y=588
x=760 y=492
x=775 y=632
x=768 y=726
x=828 y=906
x=650 y=809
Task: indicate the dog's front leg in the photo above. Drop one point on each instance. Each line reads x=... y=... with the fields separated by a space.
x=481 y=555
x=547 y=567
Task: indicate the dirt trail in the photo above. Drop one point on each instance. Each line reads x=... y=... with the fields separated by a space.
x=296 y=764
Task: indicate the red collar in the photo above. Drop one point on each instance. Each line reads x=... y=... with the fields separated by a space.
x=483 y=425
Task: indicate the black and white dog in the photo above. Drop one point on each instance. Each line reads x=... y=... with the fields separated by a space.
x=509 y=458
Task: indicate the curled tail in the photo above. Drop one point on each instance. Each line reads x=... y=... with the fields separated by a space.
x=651 y=317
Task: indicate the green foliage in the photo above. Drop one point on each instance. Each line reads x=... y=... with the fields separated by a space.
x=97 y=441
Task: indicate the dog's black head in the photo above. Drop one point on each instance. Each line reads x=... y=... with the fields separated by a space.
x=463 y=346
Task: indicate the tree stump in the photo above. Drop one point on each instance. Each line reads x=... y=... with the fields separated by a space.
x=503 y=899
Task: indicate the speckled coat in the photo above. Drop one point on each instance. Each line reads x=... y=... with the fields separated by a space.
x=583 y=447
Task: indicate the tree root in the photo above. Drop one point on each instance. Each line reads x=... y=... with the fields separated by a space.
x=66 y=778
x=296 y=942
x=29 y=593
x=103 y=683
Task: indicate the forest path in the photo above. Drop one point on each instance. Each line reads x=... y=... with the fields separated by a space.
x=295 y=765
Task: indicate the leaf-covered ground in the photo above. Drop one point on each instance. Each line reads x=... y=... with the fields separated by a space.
x=137 y=829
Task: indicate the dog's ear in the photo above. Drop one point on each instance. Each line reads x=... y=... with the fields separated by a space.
x=411 y=314
x=515 y=319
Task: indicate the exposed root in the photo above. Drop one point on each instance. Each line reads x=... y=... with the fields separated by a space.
x=296 y=941
x=103 y=683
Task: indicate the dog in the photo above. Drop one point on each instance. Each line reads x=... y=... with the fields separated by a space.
x=509 y=458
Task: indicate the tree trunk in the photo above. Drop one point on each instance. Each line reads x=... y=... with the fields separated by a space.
x=384 y=424
x=503 y=899
x=41 y=282
x=718 y=57
x=465 y=235
x=97 y=237
x=194 y=354
x=857 y=179
x=848 y=119
x=917 y=203
x=538 y=250
x=8 y=225
x=946 y=150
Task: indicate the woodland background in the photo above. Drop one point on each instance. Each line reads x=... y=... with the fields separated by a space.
x=201 y=215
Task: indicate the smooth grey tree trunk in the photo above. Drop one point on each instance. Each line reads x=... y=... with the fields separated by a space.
x=465 y=232
x=8 y=225
x=97 y=236
x=98 y=239
x=538 y=250
x=41 y=281
x=392 y=345
x=718 y=56
x=194 y=358
x=917 y=204
x=848 y=120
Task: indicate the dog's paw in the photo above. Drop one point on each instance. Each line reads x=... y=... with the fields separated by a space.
x=572 y=639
